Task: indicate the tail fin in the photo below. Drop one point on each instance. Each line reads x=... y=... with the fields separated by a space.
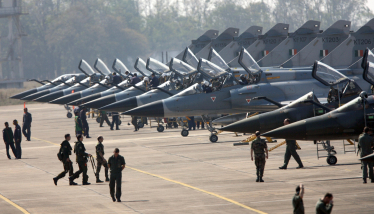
x=85 y=68
x=320 y=46
x=101 y=67
x=119 y=67
x=353 y=48
x=140 y=66
x=265 y=43
x=201 y=42
x=219 y=43
x=290 y=46
x=247 y=38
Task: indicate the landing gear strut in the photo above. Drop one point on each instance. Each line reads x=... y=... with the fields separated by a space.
x=213 y=131
x=69 y=114
x=331 y=152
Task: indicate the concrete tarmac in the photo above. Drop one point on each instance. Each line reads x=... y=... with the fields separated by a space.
x=168 y=173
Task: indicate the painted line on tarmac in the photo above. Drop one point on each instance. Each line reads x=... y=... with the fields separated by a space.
x=198 y=189
x=14 y=204
x=46 y=141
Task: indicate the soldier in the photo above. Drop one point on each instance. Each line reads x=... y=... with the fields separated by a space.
x=101 y=160
x=81 y=158
x=291 y=150
x=17 y=138
x=134 y=122
x=78 y=124
x=63 y=155
x=85 y=126
x=259 y=147
x=27 y=119
x=116 y=163
x=365 y=144
x=297 y=201
x=103 y=118
x=324 y=205
x=116 y=79
x=114 y=120
x=8 y=140
x=333 y=95
x=243 y=80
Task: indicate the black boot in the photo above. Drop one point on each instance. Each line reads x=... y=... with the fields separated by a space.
x=365 y=181
x=107 y=179
x=261 y=179
x=55 y=180
x=71 y=181
x=114 y=200
x=86 y=183
x=283 y=167
x=99 y=181
x=258 y=179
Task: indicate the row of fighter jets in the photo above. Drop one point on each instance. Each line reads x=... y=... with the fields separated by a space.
x=289 y=75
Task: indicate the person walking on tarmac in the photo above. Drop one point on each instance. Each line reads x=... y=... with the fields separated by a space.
x=100 y=159
x=85 y=126
x=134 y=122
x=103 y=118
x=8 y=140
x=116 y=163
x=17 y=138
x=63 y=156
x=297 y=200
x=365 y=147
x=26 y=127
x=114 y=120
x=259 y=148
x=324 y=205
x=291 y=151
x=81 y=158
x=78 y=124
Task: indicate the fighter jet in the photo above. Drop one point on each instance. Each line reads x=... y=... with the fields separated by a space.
x=83 y=66
x=96 y=88
x=50 y=84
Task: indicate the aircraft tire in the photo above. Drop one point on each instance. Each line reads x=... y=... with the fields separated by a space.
x=160 y=128
x=141 y=125
x=331 y=160
x=69 y=115
x=184 y=132
x=213 y=138
x=98 y=119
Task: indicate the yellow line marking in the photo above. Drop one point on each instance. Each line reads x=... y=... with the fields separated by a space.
x=180 y=183
x=198 y=189
x=46 y=141
x=14 y=204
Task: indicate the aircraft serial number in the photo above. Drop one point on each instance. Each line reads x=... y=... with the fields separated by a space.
x=299 y=39
x=270 y=41
x=244 y=43
x=362 y=41
x=330 y=39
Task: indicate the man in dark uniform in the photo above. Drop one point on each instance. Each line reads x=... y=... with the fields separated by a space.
x=114 y=120
x=103 y=118
x=324 y=205
x=260 y=148
x=191 y=123
x=243 y=80
x=116 y=79
x=85 y=126
x=134 y=121
x=297 y=201
x=154 y=81
x=206 y=88
x=8 y=140
x=100 y=159
x=116 y=163
x=135 y=79
x=17 y=138
x=27 y=119
x=291 y=150
x=81 y=158
x=78 y=124
x=365 y=147
x=65 y=152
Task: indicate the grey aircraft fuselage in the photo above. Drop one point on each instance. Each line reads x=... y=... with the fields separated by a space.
x=346 y=122
x=40 y=93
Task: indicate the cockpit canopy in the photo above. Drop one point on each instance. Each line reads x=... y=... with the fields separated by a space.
x=190 y=58
x=156 y=66
x=141 y=67
x=327 y=75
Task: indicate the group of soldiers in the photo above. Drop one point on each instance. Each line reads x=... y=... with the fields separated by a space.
x=116 y=163
x=14 y=139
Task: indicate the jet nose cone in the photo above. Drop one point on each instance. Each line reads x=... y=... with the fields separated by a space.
x=293 y=131
x=85 y=99
x=98 y=103
x=24 y=94
x=249 y=125
x=121 y=106
x=66 y=99
x=50 y=97
x=155 y=109
x=35 y=95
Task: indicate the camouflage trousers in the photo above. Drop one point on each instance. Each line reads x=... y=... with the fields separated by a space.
x=260 y=164
x=101 y=162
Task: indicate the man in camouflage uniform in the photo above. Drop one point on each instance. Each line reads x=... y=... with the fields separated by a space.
x=259 y=147
x=81 y=158
x=65 y=151
x=101 y=160
x=365 y=147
